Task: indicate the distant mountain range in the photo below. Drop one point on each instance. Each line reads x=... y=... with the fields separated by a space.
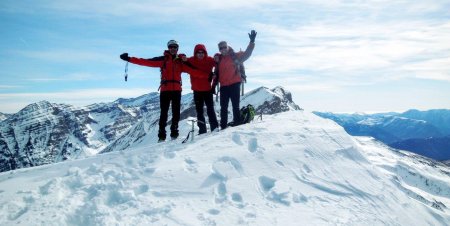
x=423 y=132
x=45 y=132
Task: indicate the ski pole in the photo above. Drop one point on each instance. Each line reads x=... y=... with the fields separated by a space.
x=126 y=71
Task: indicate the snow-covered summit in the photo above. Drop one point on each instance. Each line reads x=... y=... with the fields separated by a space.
x=270 y=101
x=45 y=132
x=292 y=168
x=3 y=116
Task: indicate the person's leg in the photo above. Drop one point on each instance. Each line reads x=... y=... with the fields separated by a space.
x=235 y=93
x=164 y=102
x=224 y=100
x=199 y=100
x=209 y=102
x=176 y=101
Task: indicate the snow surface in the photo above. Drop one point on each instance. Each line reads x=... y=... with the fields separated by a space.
x=292 y=168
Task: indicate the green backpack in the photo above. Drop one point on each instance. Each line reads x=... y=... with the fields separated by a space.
x=247 y=114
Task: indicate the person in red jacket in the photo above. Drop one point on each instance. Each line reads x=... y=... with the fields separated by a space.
x=171 y=68
x=229 y=76
x=201 y=85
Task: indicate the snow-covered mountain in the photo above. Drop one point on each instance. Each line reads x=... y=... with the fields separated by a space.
x=44 y=132
x=3 y=116
x=265 y=101
x=409 y=130
x=437 y=117
x=291 y=168
x=434 y=147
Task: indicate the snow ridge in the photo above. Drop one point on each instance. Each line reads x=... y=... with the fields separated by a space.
x=305 y=172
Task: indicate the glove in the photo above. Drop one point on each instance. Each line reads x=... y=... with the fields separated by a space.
x=182 y=56
x=252 y=36
x=125 y=57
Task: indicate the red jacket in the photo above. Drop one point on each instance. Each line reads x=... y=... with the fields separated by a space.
x=199 y=80
x=171 y=69
x=228 y=75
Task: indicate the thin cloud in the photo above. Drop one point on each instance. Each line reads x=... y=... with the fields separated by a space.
x=9 y=87
x=355 y=49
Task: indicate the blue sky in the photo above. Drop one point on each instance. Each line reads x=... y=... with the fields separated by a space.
x=341 y=56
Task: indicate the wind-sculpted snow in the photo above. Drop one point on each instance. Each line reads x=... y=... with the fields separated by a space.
x=292 y=168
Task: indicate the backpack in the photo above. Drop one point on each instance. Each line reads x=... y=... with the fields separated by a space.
x=247 y=114
x=237 y=63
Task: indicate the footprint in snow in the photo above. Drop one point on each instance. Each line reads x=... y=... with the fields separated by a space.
x=253 y=144
x=280 y=163
x=306 y=169
x=227 y=167
x=267 y=185
x=220 y=194
x=190 y=165
x=236 y=138
x=222 y=169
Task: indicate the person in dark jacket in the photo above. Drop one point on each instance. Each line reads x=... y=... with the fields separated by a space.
x=230 y=80
x=201 y=85
x=171 y=68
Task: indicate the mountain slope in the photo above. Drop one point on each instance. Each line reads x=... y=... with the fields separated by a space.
x=3 y=116
x=292 y=168
x=440 y=118
x=44 y=132
x=265 y=101
x=434 y=147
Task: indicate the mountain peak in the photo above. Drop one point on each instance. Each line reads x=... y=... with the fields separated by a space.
x=138 y=101
x=270 y=101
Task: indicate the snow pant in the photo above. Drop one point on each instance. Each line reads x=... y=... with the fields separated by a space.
x=228 y=93
x=165 y=98
x=202 y=98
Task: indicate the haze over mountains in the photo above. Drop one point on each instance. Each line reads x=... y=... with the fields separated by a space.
x=423 y=132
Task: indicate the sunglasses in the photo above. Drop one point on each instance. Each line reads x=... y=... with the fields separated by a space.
x=173 y=47
x=200 y=52
x=222 y=47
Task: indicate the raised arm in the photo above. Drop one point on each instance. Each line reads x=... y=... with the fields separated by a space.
x=248 y=52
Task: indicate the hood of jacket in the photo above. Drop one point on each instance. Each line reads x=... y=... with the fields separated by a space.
x=200 y=47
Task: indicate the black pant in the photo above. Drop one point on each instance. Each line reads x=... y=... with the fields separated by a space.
x=201 y=99
x=164 y=100
x=228 y=93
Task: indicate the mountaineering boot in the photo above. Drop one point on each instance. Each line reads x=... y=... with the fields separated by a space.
x=233 y=124
x=202 y=131
x=174 y=134
x=161 y=136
